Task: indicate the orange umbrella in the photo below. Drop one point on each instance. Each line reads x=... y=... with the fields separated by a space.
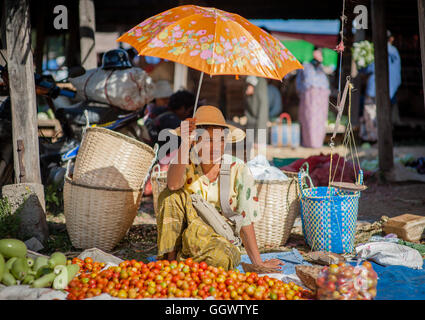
x=212 y=41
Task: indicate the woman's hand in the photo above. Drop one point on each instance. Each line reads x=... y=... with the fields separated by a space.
x=272 y=264
x=188 y=127
x=250 y=243
x=176 y=170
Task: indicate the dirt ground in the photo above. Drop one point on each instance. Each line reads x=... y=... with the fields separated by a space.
x=392 y=200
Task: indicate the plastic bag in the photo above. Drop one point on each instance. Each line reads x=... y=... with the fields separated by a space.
x=345 y=282
x=389 y=254
x=262 y=170
x=129 y=89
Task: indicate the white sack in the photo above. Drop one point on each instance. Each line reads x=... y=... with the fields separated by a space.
x=390 y=254
x=129 y=89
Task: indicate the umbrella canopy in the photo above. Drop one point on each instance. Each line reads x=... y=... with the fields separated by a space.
x=212 y=41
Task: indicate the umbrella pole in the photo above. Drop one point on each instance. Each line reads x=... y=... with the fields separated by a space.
x=197 y=94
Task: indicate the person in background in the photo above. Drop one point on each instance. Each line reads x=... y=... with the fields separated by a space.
x=257 y=104
x=368 y=122
x=275 y=100
x=312 y=85
x=132 y=54
x=180 y=106
x=161 y=97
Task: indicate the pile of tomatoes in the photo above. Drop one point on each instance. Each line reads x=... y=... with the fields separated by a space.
x=164 y=279
x=87 y=265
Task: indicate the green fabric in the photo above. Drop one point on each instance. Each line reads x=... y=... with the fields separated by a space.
x=303 y=51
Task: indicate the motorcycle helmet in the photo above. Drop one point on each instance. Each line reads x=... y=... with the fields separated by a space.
x=116 y=59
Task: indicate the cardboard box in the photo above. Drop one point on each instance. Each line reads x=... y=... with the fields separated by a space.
x=408 y=227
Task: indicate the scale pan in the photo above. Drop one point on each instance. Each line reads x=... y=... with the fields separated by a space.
x=348 y=186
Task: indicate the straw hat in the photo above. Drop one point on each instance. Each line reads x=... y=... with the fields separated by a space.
x=210 y=115
x=162 y=89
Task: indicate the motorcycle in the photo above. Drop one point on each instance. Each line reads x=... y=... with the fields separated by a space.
x=74 y=118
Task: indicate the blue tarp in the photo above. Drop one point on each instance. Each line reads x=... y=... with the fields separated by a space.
x=399 y=283
x=289 y=258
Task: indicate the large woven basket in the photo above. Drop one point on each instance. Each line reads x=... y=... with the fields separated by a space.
x=98 y=217
x=279 y=206
x=112 y=160
x=159 y=183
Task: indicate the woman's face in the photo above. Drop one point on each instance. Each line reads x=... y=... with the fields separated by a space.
x=211 y=144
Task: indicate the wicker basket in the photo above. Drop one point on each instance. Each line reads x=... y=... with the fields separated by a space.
x=159 y=183
x=112 y=160
x=98 y=217
x=293 y=175
x=290 y=174
x=308 y=275
x=279 y=205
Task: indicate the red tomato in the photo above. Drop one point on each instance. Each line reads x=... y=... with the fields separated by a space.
x=203 y=265
x=88 y=260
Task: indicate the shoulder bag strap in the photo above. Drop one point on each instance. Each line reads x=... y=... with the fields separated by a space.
x=224 y=197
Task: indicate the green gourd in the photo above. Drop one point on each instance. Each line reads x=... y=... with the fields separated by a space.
x=29 y=279
x=40 y=262
x=2 y=266
x=13 y=248
x=10 y=263
x=19 y=269
x=8 y=279
x=56 y=259
x=73 y=270
x=30 y=262
x=45 y=281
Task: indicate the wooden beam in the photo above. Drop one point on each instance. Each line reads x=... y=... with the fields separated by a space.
x=87 y=34
x=421 y=14
x=22 y=87
x=382 y=95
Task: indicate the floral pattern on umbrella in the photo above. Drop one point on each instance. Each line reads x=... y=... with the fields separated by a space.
x=212 y=41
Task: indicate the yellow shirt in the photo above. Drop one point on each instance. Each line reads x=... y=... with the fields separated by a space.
x=243 y=192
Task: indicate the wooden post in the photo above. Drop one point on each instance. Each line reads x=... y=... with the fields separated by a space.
x=22 y=87
x=87 y=32
x=382 y=96
x=73 y=41
x=40 y=34
x=421 y=14
x=180 y=76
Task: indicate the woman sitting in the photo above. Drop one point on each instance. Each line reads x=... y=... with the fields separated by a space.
x=182 y=233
